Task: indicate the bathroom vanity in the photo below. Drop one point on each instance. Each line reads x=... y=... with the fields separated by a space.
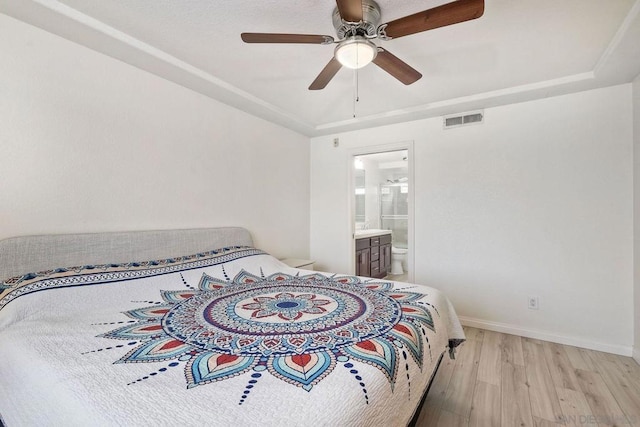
x=373 y=253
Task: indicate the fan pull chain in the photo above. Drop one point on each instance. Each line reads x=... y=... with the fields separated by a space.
x=356 y=94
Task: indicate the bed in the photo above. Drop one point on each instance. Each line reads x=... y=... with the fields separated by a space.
x=198 y=327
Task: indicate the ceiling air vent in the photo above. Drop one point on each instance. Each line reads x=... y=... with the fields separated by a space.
x=463 y=119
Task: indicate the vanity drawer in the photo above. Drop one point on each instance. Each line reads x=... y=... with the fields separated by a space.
x=375 y=268
x=362 y=244
x=386 y=239
x=375 y=250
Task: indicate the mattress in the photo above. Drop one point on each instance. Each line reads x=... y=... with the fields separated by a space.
x=230 y=336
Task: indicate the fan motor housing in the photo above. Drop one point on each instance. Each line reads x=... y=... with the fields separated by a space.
x=368 y=27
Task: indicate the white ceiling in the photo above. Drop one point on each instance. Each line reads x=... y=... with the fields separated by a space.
x=519 y=50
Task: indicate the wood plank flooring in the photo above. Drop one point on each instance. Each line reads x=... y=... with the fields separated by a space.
x=509 y=381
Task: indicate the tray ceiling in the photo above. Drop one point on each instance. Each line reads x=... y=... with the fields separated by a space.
x=519 y=50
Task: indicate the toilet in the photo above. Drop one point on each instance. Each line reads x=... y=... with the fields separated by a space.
x=398 y=259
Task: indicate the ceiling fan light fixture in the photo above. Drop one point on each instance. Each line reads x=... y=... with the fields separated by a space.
x=356 y=52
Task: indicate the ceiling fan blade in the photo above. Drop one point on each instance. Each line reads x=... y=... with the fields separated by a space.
x=350 y=10
x=285 y=38
x=396 y=67
x=326 y=75
x=441 y=16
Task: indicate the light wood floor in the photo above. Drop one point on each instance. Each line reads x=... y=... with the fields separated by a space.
x=506 y=380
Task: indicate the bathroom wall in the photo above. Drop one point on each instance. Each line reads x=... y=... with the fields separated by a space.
x=379 y=170
x=372 y=197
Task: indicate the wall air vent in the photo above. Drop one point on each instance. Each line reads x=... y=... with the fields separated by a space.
x=457 y=120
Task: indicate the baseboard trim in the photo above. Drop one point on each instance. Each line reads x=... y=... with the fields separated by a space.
x=548 y=336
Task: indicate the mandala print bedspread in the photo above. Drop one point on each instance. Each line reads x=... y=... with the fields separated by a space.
x=228 y=337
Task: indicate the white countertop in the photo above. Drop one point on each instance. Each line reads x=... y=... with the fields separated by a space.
x=359 y=234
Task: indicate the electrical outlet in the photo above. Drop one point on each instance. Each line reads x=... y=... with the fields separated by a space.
x=533 y=303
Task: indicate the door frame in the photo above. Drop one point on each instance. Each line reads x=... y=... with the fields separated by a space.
x=351 y=214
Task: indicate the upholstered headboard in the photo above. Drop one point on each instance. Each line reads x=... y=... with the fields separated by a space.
x=26 y=254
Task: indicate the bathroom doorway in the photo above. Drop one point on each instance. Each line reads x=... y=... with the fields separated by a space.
x=382 y=211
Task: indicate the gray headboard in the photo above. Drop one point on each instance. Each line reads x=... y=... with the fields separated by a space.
x=26 y=254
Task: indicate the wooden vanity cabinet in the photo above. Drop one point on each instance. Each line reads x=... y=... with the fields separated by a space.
x=385 y=255
x=373 y=256
x=363 y=257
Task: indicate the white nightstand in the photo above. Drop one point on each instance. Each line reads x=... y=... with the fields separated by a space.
x=305 y=264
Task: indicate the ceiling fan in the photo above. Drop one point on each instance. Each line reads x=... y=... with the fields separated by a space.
x=357 y=23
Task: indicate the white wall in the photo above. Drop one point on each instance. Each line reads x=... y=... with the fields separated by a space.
x=537 y=201
x=372 y=198
x=89 y=143
x=636 y=213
